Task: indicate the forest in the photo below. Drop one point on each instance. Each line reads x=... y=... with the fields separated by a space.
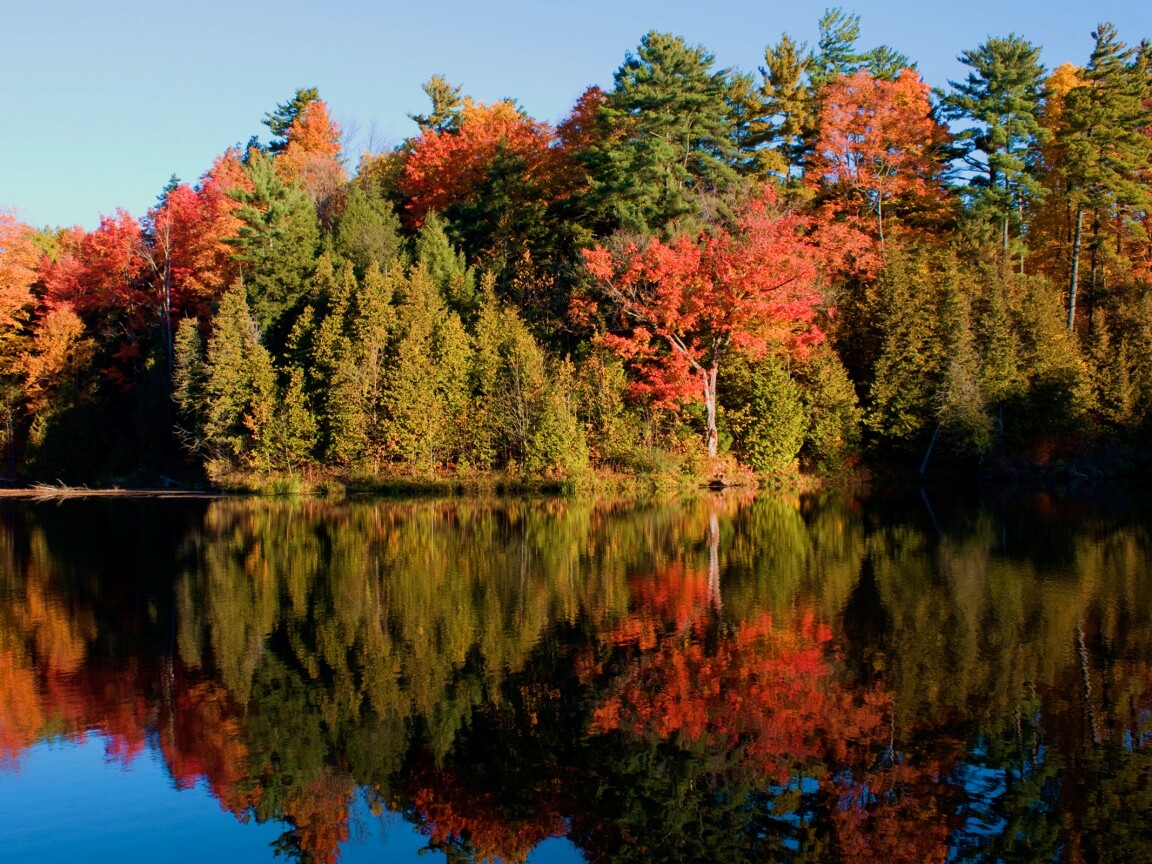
x=824 y=266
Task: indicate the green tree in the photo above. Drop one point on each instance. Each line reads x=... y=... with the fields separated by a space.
x=239 y=388
x=416 y=420
x=674 y=142
x=373 y=322
x=293 y=433
x=189 y=376
x=764 y=414
x=1104 y=144
x=832 y=410
x=281 y=119
x=961 y=407
x=446 y=267
x=836 y=54
x=275 y=244
x=997 y=109
x=906 y=374
x=790 y=109
x=368 y=231
x=446 y=105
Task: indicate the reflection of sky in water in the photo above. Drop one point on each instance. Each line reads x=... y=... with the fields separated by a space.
x=67 y=802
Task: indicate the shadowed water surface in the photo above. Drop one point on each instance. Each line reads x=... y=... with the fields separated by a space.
x=722 y=679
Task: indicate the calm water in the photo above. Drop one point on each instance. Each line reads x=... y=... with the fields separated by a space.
x=724 y=679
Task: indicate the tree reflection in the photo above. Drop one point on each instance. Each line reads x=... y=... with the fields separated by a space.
x=726 y=678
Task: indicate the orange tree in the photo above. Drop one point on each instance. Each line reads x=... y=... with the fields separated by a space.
x=685 y=305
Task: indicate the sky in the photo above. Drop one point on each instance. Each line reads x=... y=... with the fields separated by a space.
x=104 y=101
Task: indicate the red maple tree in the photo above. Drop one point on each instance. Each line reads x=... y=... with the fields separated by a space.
x=685 y=305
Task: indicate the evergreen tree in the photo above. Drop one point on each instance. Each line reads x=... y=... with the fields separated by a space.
x=275 y=244
x=1104 y=146
x=674 y=143
x=281 y=119
x=998 y=343
x=904 y=381
x=446 y=106
x=832 y=411
x=764 y=414
x=484 y=449
x=239 y=389
x=416 y=421
x=789 y=107
x=189 y=377
x=368 y=231
x=452 y=356
x=1057 y=395
x=445 y=266
x=373 y=322
x=293 y=432
x=335 y=378
x=960 y=401
x=998 y=110
x=836 y=54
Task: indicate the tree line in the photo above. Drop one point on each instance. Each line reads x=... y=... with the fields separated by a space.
x=824 y=261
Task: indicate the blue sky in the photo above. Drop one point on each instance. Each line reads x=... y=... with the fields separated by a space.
x=103 y=101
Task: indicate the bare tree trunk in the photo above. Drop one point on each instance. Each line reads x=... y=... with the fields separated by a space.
x=709 y=376
x=1075 y=267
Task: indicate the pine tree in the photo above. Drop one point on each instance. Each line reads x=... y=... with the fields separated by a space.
x=286 y=114
x=997 y=108
x=674 y=143
x=1103 y=142
x=276 y=244
x=790 y=107
x=446 y=105
x=836 y=54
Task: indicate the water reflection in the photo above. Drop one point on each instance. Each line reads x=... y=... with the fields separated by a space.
x=729 y=678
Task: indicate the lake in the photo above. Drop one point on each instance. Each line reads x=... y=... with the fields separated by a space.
x=934 y=676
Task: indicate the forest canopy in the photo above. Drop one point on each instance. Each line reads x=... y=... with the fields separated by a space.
x=825 y=263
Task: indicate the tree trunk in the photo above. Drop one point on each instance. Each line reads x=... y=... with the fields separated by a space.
x=1075 y=266
x=709 y=376
x=880 y=217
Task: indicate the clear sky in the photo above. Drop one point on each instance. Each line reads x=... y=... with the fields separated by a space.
x=103 y=101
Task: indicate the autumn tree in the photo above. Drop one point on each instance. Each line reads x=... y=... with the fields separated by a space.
x=307 y=148
x=492 y=175
x=685 y=305
x=878 y=145
x=18 y=260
